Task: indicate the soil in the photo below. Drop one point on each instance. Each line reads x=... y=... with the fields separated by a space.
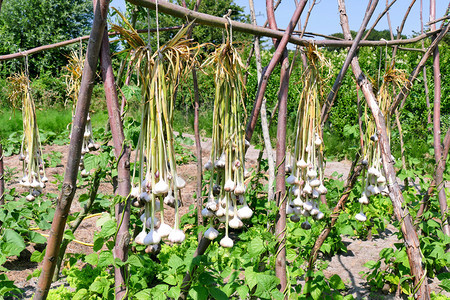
x=347 y=265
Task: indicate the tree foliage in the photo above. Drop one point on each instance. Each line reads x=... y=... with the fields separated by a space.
x=25 y=24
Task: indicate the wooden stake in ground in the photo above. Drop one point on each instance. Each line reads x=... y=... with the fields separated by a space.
x=70 y=177
x=402 y=214
x=122 y=153
x=440 y=160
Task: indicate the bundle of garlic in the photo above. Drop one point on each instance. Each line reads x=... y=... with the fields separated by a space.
x=226 y=187
x=73 y=83
x=30 y=151
x=157 y=183
x=306 y=170
x=374 y=179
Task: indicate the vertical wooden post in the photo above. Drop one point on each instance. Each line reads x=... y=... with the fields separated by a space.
x=70 y=177
x=402 y=214
x=122 y=153
x=440 y=160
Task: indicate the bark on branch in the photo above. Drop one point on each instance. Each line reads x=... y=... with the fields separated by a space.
x=205 y=19
x=122 y=154
x=402 y=214
x=351 y=53
x=70 y=177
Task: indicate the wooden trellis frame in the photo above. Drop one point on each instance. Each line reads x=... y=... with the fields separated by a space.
x=99 y=35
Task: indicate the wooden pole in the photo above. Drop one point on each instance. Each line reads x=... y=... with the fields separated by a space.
x=401 y=212
x=351 y=53
x=122 y=153
x=70 y=177
x=273 y=62
x=438 y=155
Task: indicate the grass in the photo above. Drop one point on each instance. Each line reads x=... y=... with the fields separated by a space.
x=53 y=120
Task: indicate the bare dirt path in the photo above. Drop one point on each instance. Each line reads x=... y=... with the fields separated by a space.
x=347 y=265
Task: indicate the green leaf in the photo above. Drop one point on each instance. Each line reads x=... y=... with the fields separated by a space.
x=256 y=247
x=68 y=235
x=98 y=243
x=134 y=261
x=445 y=284
x=174 y=292
x=198 y=292
x=242 y=291
x=336 y=282
x=12 y=243
x=217 y=294
x=81 y=295
x=250 y=277
x=108 y=228
x=37 y=256
x=37 y=238
x=143 y=295
x=105 y=259
x=92 y=259
x=175 y=262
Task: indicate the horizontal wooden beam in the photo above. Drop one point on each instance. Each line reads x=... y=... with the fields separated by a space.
x=69 y=42
x=220 y=22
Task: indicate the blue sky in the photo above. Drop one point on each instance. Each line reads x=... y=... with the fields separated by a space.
x=325 y=17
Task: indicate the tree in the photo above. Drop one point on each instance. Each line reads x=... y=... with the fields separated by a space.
x=26 y=24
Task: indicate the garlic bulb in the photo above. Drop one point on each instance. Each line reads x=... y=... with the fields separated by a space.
x=176 y=236
x=295 y=218
x=160 y=188
x=364 y=200
x=207 y=213
x=156 y=222
x=320 y=216
x=30 y=197
x=308 y=205
x=164 y=230
x=208 y=165
x=291 y=180
x=315 y=182
x=140 y=237
x=226 y=242
x=361 y=217
x=152 y=238
x=245 y=212
x=211 y=233
x=305 y=225
x=180 y=182
x=229 y=185
x=302 y=164
x=235 y=223
x=289 y=209
x=240 y=189
x=312 y=173
x=298 y=201
x=322 y=189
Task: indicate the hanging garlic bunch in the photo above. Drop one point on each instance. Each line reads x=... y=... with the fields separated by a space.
x=30 y=151
x=373 y=176
x=226 y=187
x=158 y=183
x=73 y=83
x=305 y=181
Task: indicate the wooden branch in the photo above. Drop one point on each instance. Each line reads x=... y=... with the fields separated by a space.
x=122 y=154
x=72 y=41
x=400 y=29
x=402 y=214
x=280 y=189
x=205 y=19
x=378 y=19
x=273 y=62
x=69 y=184
x=186 y=284
x=438 y=155
x=76 y=223
x=351 y=53
x=352 y=178
x=438 y=20
x=407 y=86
